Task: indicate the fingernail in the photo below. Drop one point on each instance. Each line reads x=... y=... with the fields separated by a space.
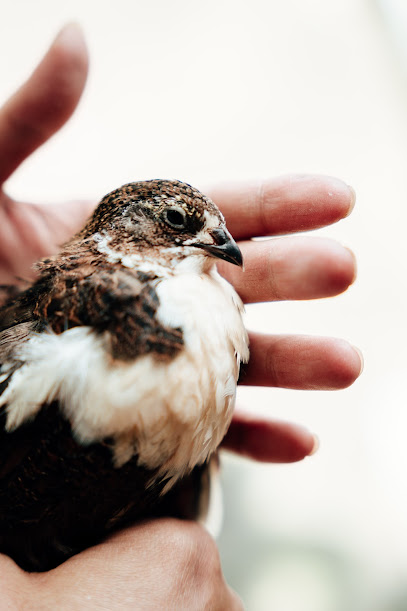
x=355 y=263
x=71 y=34
x=352 y=200
x=362 y=360
x=315 y=447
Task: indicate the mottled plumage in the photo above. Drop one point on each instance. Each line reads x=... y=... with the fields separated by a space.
x=118 y=373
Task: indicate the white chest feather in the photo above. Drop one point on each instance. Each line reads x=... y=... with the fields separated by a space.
x=173 y=414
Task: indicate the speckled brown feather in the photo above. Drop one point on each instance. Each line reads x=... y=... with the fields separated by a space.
x=78 y=287
x=153 y=194
x=58 y=496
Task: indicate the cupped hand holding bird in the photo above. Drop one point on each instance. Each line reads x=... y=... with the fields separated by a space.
x=296 y=267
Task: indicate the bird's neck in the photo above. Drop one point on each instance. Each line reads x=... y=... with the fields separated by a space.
x=160 y=261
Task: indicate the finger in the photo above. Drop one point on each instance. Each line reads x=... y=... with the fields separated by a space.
x=268 y=441
x=45 y=102
x=301 y=362
x=283 y=205
x=291 y=268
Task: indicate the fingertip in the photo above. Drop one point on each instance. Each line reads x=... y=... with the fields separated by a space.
x=345 y=363
x=297 y=443
x=341 y=196
x=71 y=44
x=341 y=269
x=353 y=268
x=60 y=80
x=361 y=358
x=71 y=34
x=315 y=446
x=330 y=267
x=354 y=368
x=352 y=200
x=338 y=197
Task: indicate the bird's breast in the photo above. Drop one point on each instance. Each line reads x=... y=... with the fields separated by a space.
x=171 y=413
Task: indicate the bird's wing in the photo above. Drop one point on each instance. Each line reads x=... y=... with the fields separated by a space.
x=11 y=454
x=117 y=305
x=122 y=303
x=17 y=311
x=17 y=324
x=10 y=339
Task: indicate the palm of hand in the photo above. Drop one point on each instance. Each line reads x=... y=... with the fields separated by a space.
x=31 y=231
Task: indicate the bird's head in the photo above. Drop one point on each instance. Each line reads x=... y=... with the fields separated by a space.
x=164 y=215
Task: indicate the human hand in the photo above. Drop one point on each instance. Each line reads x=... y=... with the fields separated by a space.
x=170 y=555
x=163 y=564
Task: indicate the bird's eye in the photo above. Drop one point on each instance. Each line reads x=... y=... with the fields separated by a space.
x=175 y=217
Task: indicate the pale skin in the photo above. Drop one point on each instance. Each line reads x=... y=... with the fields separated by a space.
x=168 y=563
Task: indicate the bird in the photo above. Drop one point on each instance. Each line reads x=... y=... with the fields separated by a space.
x=118 y=373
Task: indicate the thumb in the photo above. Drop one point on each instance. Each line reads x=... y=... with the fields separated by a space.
x=45 y=101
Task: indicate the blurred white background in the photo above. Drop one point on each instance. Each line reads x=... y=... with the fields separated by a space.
x=230 y=89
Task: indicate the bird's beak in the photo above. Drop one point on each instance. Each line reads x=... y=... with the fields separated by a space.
x=223 y=246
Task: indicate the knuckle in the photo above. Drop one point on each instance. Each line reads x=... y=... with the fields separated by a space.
x=201 y=570
x=193 y=567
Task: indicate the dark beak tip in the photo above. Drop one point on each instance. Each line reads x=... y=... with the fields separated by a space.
x=241 y=263
x=228 y=251
x=238 y=259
